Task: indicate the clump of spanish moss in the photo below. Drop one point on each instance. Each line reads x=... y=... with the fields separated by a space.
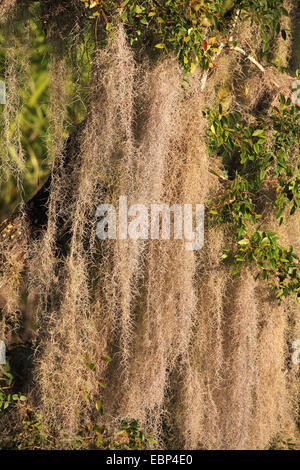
x=199 y=357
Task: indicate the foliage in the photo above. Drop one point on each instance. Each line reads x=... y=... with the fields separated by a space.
x=256 y=155
x=185 y=27
x=281 y=444
x=286 y=127
x=32 y=435
x=267 y=14
x=7 y=397
x=128 y=437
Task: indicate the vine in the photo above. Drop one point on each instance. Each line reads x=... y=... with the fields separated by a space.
x=251 y=165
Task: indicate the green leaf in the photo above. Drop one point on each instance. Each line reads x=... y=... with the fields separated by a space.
x=106 y=358
x=244 y=241
x=283 y=34
x=284 y=11
x=258 y=132
x=99 y=405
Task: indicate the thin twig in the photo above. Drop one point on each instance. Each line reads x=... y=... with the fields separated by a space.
x=249 y=57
